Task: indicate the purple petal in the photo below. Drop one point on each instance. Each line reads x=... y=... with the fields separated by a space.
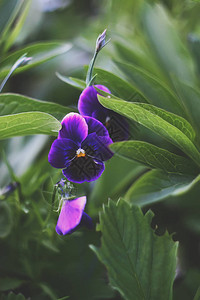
x=88 y=104
x=70 y=215
x=87 y=221
x=118 y=127
x=97 y=127
x=74 y=127
x=96 y=147
x=83 y=169
x=61 y=153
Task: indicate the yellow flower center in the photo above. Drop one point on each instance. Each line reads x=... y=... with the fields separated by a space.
x=80 y=153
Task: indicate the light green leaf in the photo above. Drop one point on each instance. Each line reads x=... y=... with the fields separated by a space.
x=190 y=96
x=169 y=51
x=27 y=124
x=153 y=156
x=39 y=52
x=139 y=113
x=173 y=119
x=5 y=219
x=75 y=82
x=118 y=86
x=136 y=56
x=15 y=103
x=141 y=265
x=157 y=185
x=8 y=13
x=14 y=26
x=153 y=89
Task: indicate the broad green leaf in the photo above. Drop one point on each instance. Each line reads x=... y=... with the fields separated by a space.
x=118 y=86
x=75 y=82
x=177 y=121
x=39 y=52
x=5 y=219
x=140 y=264
x=190 y=96
x=170 y=52
x=156 y=123
x=153 y=89
x=157 y=185
x=10 y=283
x=15 y=103
x=153 y=156
x=28 y=123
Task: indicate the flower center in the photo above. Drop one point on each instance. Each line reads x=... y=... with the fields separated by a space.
x=80 y=153
x=107 y=121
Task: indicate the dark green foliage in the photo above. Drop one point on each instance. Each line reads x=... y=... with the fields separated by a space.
x=151 y=66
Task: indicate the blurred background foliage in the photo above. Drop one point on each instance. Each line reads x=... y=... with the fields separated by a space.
x=34 y=260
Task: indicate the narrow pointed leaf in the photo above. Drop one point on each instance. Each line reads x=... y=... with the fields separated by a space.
x=75 y=82
x=141 y=265
x=15 y=103
x=157 y=92
x=153 y=156
x=157 y=185
x=156 y=123
x=171 y=54
x=190 y=96
x=119 y=87
x=28 y=123
x=136 y=57
x=39 y=52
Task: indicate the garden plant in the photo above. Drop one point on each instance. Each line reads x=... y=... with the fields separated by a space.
x=100 y=150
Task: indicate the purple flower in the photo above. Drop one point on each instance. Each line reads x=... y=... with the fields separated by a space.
x=81 y=148
x=88 y=105
x=72 y=216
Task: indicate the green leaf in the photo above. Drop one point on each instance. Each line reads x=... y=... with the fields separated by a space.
x=8 y=13
x=5 y=219
x=118 y=86
x=27 y=124
x=153 y=89
x=169 y=51
x=10 y=283
x=119 y=174
x=153 y=156
x=190 y=96
x=75 y=82
x=39 y=52
x=15 y=103
x=12 y=296
x=136 y=56
x=141 y=265
x=14 y=26
x=197 y=295
x=143 y=114
x=194 y=43
x=157 y=185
